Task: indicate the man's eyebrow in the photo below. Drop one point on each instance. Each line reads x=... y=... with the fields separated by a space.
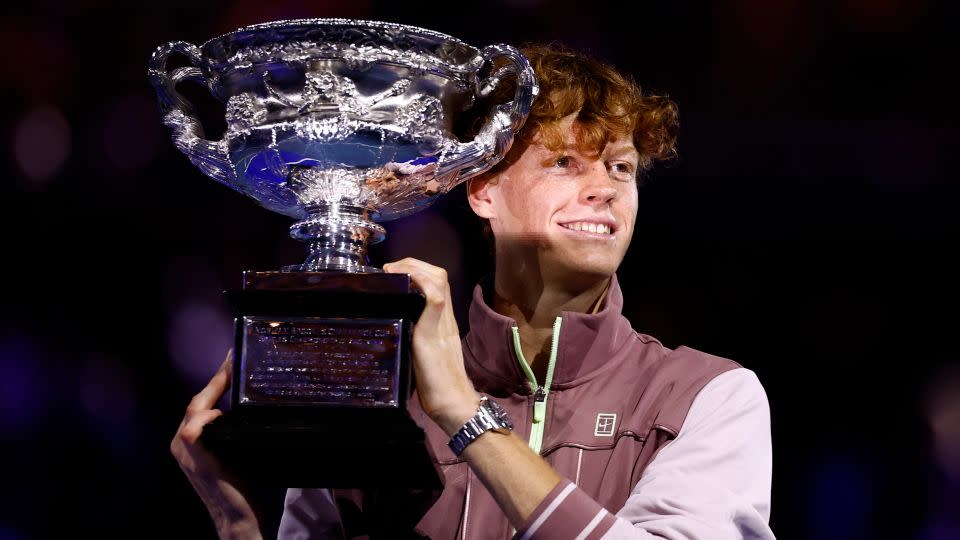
x=621 y=150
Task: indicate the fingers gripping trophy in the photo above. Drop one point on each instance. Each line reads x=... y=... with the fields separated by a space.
x=339 y=124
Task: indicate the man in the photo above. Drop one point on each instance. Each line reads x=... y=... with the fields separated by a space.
x=614 y=435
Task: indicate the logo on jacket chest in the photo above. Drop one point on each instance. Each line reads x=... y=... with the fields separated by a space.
x=606 y=423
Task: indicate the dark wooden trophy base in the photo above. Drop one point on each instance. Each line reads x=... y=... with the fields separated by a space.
x=321 y=380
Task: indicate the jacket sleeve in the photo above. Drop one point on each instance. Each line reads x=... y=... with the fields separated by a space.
x=711 y=481
x=310 y=513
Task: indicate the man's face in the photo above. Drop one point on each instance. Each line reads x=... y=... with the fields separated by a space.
x=571 y=212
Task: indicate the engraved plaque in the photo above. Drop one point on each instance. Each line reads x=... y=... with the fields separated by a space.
x=320 y=361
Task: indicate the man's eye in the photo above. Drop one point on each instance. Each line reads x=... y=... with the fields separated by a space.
x=622 y=168
x=563 y=162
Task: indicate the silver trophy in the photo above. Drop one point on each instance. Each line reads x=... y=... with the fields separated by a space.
x=339 y=124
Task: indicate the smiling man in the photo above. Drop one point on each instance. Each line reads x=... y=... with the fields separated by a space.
x=552 y=418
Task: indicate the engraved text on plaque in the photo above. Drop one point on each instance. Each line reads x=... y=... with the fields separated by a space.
x=317 y=361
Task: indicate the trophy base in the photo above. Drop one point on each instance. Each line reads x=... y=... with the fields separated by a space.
x=332 y=451
x=321 y=380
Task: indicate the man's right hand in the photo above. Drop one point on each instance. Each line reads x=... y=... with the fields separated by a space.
x=231 y=511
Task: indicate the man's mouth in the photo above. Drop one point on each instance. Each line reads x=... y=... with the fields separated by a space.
x=588 y=226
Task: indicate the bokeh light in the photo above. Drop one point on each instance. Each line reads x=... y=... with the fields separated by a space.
x=943 y=415
x=200 y=329
x=841 y=501
x=198 y=337
x=24 y=388
x=41 y=143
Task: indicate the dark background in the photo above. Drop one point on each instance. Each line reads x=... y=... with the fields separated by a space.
x=808 y=231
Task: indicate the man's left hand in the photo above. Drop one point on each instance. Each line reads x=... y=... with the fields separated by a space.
x=445 y=391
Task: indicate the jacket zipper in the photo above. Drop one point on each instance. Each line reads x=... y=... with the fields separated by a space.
x=540 y=393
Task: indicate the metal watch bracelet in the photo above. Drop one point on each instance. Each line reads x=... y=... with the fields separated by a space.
x=489 y=416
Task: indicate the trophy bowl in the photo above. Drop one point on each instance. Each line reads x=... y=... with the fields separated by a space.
x=339 y=124
x=342 y=123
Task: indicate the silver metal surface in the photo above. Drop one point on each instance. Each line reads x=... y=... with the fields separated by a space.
x=341 y=123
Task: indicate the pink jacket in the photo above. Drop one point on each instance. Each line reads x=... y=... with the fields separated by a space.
x=612 y=418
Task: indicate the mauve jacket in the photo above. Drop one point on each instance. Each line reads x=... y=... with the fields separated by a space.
x=616 y=399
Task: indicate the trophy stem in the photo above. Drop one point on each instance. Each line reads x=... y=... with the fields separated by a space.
x=337 y=236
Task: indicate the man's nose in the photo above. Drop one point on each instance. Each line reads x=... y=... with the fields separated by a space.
x=598 y=187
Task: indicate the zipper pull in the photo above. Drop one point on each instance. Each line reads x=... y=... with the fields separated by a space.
x=539 y=405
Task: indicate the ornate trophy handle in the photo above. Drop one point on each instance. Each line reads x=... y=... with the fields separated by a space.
x=496 y=136
x=210 y=156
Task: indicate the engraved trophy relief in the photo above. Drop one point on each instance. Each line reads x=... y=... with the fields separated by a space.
x=339 y=124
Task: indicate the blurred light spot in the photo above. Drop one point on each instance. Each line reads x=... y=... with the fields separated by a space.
x=200 y=330
x=41 y=143
x=7 y=533
x=198 y=337
x=106 y=391
x=840 y=498
x=23 y=390
x=940 y=530
x=132 y=132
x=943 y=415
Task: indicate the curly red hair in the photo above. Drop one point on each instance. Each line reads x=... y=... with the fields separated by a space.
x=608 y=105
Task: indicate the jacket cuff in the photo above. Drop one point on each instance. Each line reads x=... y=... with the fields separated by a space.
x=566 y=512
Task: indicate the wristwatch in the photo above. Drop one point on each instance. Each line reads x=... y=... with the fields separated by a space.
x=490 y=415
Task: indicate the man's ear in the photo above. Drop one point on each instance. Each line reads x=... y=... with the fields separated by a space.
x=479 y=193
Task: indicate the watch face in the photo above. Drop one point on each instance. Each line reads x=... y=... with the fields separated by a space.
x=497 y=412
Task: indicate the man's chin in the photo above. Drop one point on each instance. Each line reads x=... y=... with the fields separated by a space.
x=582 y=272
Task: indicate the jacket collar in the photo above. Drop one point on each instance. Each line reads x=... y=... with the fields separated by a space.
x=586 y=342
